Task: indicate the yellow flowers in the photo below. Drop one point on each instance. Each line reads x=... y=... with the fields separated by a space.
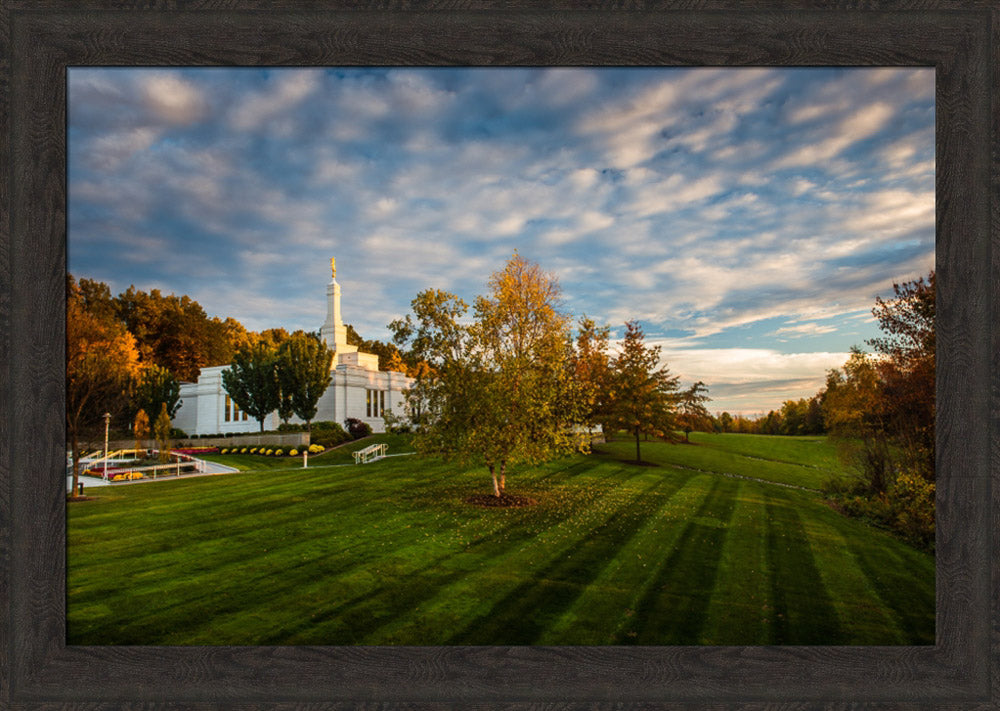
x=315 y=448
x=293 y=453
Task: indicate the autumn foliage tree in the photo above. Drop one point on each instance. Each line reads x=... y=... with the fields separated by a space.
x=691 y=411
x=881 y=408
x=140 y=429
x=102 y=362
x=592 y=371
x=498 y=390
x=523 y=343
x=644 y=393
x=906 y=364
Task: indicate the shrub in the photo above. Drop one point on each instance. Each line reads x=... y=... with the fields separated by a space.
x=293 y=453
x=269 y=452
x=253 y=450
x=357 y=428
x=223 y=451
x=912 y=499
x=243 y=451
x=906 y=508
x=328 y=434
x=279 y=452
x=291 y=427
x=316 y=448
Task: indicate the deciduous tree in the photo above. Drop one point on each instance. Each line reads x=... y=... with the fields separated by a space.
x=156 y=385
x=252 y=381
x=304 y=373
x=101 y=363
x=592 y=371
x=498 y=390
x=140 y=428
x=523 y=342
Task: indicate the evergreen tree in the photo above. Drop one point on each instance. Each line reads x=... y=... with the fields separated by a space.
x=643 y=393
x=161 y=429
x=691 y=411
x=140 y=428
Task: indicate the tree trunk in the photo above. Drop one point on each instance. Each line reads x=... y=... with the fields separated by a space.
x=503 y=475
x=496 y=486
x=261 y=421
x=637 y=457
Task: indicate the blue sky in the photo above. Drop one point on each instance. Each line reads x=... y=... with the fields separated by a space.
x=746 y=217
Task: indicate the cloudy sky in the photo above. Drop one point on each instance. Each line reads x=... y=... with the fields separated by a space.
x=746 y=217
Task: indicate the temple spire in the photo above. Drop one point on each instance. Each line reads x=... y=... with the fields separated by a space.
x=333 y=331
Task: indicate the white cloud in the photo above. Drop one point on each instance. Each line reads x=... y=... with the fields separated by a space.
x=804 y=329
x=276 y=101
x=173 y=99
x=853 y=128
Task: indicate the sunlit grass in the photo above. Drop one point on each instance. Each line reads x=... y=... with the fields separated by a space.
x=390 y=553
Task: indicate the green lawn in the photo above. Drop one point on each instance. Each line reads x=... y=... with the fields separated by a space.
x=389 y=553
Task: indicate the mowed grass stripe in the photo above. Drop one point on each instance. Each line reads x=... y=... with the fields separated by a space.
x=739 y=607
x=854 y=596
x=802 y=612
x=602 y=612
x=491 y=552
x=811 y=451
x=713 y=459
x=390 y=553
x=527 y=608
x=358 y=600
x=674 y=606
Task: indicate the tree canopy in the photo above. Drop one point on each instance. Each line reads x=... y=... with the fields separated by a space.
x=102 y=363
x=252 y=381
x=643 y=393
x=304 y=373
x=499 y=389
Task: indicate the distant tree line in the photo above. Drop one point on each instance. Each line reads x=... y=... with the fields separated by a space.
x=795 y=417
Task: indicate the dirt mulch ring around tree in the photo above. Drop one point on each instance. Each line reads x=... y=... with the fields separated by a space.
x=506 y=501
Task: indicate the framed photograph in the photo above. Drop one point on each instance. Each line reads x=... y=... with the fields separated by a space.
x=94 y=86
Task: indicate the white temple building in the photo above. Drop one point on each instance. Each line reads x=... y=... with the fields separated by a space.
x=358 y=388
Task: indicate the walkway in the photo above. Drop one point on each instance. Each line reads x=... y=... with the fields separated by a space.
x=210 y=469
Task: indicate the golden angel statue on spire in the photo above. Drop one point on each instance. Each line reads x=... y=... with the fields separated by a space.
x=333 y=266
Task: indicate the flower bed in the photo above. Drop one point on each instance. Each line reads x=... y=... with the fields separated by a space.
x=196 y=450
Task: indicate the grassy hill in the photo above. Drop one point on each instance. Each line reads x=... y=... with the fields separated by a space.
x=716 y=544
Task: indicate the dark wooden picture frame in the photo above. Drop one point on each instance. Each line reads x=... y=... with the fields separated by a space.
x=41 y=38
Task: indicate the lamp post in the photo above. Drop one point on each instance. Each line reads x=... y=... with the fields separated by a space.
x=107 y=421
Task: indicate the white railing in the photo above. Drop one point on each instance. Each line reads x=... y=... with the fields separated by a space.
x=370 y=453
x=125 y=471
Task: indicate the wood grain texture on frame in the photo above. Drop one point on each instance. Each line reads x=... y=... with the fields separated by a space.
x=41 y=39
